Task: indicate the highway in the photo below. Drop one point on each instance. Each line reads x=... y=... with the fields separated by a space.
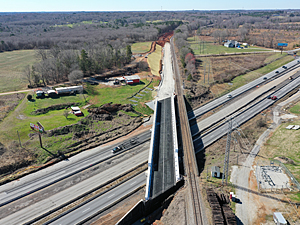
x=215 y=134
x=241 y=102
x=223 y=99
x=244 y=116
x=100 y=203
x=51 y=202
x=42 y=179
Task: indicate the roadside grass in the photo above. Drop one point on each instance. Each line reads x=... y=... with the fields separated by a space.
x=212 y=48
x=244 y=79
x=141 y=47
x=11 y=66
x=285 y=143
x=295 y=109
x=154 y=59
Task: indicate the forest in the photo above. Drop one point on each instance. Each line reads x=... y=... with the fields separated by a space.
x=92 y=42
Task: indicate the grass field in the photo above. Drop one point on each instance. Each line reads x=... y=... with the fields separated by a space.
x=221 y=89
x=244 y=79
x=211 y=48
x=55 y=118
x=285 y=143
x=11 y=67
x=141 y=47
x=154 y=59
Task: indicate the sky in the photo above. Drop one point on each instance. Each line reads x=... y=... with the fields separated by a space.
x=141 y=5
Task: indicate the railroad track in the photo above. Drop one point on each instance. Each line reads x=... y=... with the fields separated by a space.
x=191 y=168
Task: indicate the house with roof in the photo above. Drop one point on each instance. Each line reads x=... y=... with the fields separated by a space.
x=231 y=44
x=133 y=79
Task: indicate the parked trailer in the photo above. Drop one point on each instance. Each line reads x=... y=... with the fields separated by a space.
x=279 y=219
x=68 y=90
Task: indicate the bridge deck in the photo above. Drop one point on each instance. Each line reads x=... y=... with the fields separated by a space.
x=164 y=171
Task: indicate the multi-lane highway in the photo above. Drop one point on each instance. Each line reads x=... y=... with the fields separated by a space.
x=215 y=134
x=37 y=181
x=91 y=208
x=223 y=99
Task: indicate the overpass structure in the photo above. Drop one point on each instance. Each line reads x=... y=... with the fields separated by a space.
x=163 y=165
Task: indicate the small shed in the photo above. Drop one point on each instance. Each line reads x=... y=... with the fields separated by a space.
x=133 y=79
x=75 y=108
x=215 y=171
x=279 y=219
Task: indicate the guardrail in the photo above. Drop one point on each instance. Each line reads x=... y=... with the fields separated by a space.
x=150 y=160
x=175 y=141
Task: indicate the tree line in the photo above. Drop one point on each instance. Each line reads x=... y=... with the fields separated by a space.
x=59 y=65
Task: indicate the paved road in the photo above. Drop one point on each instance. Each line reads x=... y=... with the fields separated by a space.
x=105 y=200
x=221 y=100
x=57 y=172
x=166 y=88
x=41 y=207
x=240 y=177
x=239 y=103
x=41 y=179
x=210 y=137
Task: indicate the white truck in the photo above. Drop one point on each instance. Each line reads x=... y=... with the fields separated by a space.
x=279 y=219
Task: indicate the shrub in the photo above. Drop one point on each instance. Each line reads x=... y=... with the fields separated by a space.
x=29 y=97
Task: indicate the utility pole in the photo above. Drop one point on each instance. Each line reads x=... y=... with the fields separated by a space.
x=19 y=138
x=227 y=152
x=204 y=71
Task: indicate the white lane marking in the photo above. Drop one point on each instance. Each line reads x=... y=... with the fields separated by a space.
x=110 y=196
x=133 y=183
x=85 y=210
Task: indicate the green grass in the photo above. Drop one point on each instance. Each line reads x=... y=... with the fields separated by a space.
x=244 y=79
x=154 y=59
x=285 y=143
x=11 y=66
x=211 y=48
x=295 y=109
x=141 y=47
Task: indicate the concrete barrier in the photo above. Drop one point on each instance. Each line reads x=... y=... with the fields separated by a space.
x=150 y=159
x=135 y=213
x=144 y=208
x=175 y=141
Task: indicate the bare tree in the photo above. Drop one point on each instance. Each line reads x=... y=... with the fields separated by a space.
x=41 y=54
x=27 y=74
x=66 y=114
x=75 y=76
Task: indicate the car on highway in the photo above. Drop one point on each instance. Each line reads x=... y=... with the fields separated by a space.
x=116 y=149
x=291 y=78
x=274 y=97
x=229 y=96
x=265 y=78
x=269 y=97
x=284 y=67
x=276 y=71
